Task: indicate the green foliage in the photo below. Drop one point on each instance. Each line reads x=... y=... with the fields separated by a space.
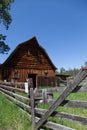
x=62 y=70
x=12 y=117
x=85 y=63
x=5 y=19
x=71 y=72
x=4 y=48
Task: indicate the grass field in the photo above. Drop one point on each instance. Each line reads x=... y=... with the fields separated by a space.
x=12 y=117
x=76 y=111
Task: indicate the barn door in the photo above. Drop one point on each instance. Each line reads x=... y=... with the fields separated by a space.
x=33 y=77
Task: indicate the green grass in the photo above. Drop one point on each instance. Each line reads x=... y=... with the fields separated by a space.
x=76 y=111
x=22 y=94
x=74 y=96
x=12 y=117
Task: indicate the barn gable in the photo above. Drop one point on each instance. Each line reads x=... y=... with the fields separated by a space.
x=29 y=55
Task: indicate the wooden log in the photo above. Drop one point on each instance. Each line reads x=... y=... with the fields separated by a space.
x=12 y=88
x=19 y=103
x=54 y=126
x=75 y=104
x=60 y=90
x=71 y=117
x=22 y=98
x=13 y=84
x=80 y=89
x=71 y=103
x=63 y=115
x=52 y=90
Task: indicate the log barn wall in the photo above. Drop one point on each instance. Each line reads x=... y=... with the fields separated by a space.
x=29 y=60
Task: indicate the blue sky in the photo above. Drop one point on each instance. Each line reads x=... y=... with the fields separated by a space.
x=60 y=27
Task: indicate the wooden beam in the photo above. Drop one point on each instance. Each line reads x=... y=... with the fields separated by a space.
x=22 y=98
x=63 y=115
x=12 y=88
x=71 y=103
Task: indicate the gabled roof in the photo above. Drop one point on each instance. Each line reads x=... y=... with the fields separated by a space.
x=32 y=40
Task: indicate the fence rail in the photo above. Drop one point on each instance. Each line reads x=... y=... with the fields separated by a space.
x=24 y=103
x=29 y=101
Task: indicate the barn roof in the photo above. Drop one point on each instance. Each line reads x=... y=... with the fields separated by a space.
x=31 y=41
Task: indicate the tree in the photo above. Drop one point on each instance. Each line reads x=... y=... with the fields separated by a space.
x=62 y=70
x=5 y=19
x=85 y=64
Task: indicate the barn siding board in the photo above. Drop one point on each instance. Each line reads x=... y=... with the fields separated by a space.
x=28 y=58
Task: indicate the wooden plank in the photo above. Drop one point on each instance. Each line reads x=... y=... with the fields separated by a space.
x=12 y=88
x=22 y=98
x=80 y=76
x=60 y=90
x=55 y=126
x=19 y=103
x=39 y=92
x=12 y=83
x=71 y=103
x=78 y=89
x=63 y=115
x=76 y=104
x=71 y=117
x=81 y=89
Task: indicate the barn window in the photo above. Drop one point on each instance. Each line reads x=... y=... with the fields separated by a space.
x=28 y=52
x=46 y=73
x=16 y=75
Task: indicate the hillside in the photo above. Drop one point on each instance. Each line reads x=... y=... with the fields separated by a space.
x=12 y=117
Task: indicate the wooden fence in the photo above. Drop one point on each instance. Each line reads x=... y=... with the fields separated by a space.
x=29 y=102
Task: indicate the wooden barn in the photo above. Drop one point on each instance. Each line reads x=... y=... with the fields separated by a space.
x=29 y=60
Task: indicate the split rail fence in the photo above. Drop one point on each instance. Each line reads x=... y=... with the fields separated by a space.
x=40 y=116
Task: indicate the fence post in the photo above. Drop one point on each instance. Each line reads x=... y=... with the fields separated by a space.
x=44 y=96
x=32 y=104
